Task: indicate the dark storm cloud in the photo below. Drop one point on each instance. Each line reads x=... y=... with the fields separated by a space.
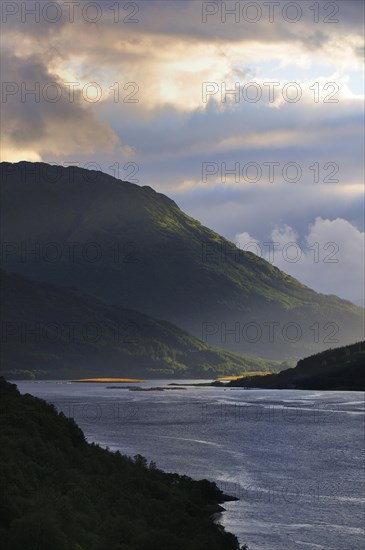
x=176 y=18
x=35 y=121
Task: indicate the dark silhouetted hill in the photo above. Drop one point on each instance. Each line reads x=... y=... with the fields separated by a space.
x=336 y=369
x=59 y=492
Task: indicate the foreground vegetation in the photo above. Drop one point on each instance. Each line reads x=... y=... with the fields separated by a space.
x=59 y=492
x=334 y=369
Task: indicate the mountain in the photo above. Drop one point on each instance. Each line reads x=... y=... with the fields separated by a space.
x=335 y=369
x=132 y=246
x=59 y=492
x=57 y=332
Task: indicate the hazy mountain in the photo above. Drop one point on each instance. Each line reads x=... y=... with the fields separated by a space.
x=55 y=332
x=335 y=369
x=132 y=246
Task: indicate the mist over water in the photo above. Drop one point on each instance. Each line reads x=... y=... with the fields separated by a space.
x=295 y=459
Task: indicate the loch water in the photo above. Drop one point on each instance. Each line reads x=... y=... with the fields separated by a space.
x=295 y=459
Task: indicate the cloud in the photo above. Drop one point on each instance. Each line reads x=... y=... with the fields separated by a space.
x=170 y=51
x=36 y=124
x=329 y=258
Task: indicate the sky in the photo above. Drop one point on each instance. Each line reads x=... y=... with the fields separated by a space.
x=250 y=115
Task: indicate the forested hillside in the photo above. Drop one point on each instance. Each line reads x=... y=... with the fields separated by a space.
x=59 y=492
x=335 y=369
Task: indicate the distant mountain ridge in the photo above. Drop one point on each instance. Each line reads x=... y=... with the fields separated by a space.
x=49 y=331
x=131 y=246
